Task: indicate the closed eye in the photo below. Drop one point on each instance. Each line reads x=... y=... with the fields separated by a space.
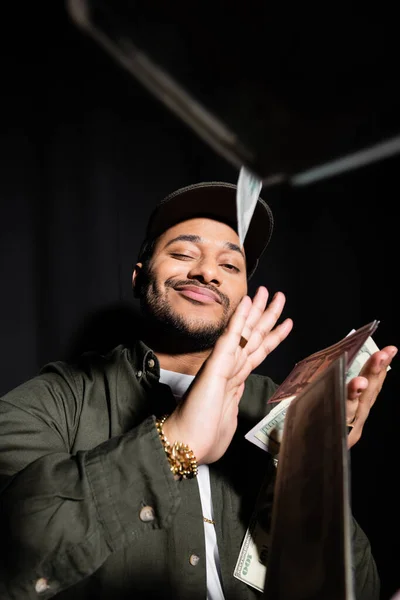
x=231 y=267
x=181 y=256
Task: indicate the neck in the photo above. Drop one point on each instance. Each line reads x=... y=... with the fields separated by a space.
x=188 y=364
x=176 y=354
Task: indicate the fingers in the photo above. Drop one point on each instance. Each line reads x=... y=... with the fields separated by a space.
x=357 y=422
x=378 y=362
x=372 y=377
x=266 y=335
x=257 y=310
x=255 y=322
x=356 y=386
x=354 y=390
x=363 y=390
x=230 y=340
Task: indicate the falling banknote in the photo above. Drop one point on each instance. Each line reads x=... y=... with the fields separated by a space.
x=248 y=189
x=358 y=345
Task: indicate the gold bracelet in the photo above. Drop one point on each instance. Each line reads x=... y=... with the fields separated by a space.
x=182 y=461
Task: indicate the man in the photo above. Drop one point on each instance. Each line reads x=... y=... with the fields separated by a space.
x=128 y=475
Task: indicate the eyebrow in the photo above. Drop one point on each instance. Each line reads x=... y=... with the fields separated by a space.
x=196 y=239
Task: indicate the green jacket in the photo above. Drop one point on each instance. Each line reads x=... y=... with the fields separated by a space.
x=80 y=458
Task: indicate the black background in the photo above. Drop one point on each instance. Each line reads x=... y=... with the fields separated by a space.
x=86 y=152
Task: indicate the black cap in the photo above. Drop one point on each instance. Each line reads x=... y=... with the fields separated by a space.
x=213 y=200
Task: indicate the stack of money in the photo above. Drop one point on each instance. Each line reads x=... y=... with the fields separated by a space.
x=358 y=346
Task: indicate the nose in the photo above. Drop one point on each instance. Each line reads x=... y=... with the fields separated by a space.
x=206 y=271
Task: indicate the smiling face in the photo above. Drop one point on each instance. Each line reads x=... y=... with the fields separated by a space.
x=194 y=280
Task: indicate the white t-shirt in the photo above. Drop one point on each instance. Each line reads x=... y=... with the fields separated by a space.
x=179 y=383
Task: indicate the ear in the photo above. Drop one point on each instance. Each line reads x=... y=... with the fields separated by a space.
x=136 y=279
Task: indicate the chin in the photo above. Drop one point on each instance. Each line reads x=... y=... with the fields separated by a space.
x=200 y=325
x=201 y=329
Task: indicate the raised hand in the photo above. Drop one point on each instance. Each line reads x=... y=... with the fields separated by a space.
x=363 y=390
x=206 y=418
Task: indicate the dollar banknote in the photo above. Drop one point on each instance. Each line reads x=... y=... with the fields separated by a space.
x=267 y=434
x=251 y=565
x=248 y=190
x=314 y=365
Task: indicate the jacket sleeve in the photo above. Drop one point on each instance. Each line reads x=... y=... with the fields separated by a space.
x=365 y=573
x=62 y=515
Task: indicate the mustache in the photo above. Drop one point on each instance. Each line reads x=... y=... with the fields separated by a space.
x=173 y=283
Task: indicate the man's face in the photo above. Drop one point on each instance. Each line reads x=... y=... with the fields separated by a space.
x=195 y=280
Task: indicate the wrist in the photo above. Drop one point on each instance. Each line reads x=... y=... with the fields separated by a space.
x=175 y=433
x=181 y=458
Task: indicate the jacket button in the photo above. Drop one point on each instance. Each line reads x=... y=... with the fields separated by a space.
x=147 y=514
x=41 y=585
x=194 y=560
x=151 y=362
x=139 y=374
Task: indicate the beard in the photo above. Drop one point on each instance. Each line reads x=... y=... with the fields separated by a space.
x=193 y=333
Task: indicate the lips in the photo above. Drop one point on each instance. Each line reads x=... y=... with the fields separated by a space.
x=198 y=293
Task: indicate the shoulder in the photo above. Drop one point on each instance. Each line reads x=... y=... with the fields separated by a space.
x=67 y=397
x=69 y=380
x=88 y=364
